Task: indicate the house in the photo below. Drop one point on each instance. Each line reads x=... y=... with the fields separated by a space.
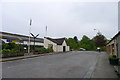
x=6 y=37
x=58 y=45
x=113 y=48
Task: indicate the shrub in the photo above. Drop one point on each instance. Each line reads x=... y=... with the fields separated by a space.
x=10 y=45
x=113 y=57
x=114 y=60
x=6 y=51
x=42 y=49
x=1 y=51
x=50 y=49
x=14 y=51
x=36 y=50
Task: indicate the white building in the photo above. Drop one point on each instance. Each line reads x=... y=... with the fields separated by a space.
x=6 y=37
x=58 y=45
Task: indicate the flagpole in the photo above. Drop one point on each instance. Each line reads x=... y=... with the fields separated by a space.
x=29 y=36
x=46 y=31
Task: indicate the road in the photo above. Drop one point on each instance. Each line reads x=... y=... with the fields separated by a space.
x=74 y=64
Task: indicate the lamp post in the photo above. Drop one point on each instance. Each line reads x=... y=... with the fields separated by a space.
x=34 y=37
x=98 y=31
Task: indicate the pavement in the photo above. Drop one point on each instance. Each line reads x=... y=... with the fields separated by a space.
x=23 y=57
x=74 y=64
x=103 y=68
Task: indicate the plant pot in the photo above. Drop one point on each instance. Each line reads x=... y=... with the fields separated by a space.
x=114 y=61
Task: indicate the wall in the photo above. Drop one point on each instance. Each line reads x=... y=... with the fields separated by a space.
x=46 y=42
x=118 y=42
x=67 y=47
x=111 y=47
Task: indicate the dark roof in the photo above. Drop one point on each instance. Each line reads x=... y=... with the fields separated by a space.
x=114 y=37
x=58 y=41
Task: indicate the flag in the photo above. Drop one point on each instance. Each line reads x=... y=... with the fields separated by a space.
x=46 y=28
x=30 y=22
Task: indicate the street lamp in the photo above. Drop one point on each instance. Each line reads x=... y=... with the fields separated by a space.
x=98 y=31
x=34 y=38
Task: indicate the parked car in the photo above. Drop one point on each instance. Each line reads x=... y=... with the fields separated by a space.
x=82 y=49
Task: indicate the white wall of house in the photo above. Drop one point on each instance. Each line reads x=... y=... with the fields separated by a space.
x=32 y=43
x=36 y=43
x=47 y=42
x=59 y=48
x=56 y=48
x=67 y=47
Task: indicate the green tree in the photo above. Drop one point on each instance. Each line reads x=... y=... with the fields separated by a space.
x=72 y=43
x=86 y=43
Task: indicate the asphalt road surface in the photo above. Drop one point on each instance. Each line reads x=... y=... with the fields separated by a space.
x=75 y=64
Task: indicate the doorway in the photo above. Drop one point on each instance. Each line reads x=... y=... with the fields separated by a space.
x=64 y=48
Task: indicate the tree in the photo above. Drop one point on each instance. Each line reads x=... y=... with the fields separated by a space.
x=75 y=38
x=100 y=40
x=87 y=43
x=72 y=43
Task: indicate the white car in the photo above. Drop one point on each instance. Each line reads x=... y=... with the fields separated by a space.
x=82 y=49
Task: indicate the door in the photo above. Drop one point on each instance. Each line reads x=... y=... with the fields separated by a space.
x=64 y=48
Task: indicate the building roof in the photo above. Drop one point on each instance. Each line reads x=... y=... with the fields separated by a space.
x=58 y=41
x=11 y=36
x=114 y=36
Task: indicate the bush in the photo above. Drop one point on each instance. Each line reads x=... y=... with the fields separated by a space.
x=113 y=57
x=36 y=50
x=43 y=49
x=11 y=46
x=50 y=49
x=14 y=51
x=114 y=60
x=6 y=51
x=1 y=51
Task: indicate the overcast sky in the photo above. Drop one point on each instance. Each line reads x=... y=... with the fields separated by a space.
x=63 y=19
